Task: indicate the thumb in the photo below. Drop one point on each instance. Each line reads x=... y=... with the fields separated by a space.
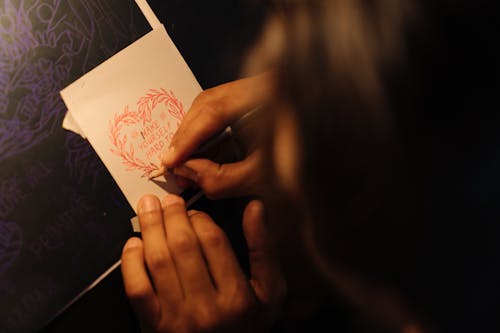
x=266 y=278
x=223 y=180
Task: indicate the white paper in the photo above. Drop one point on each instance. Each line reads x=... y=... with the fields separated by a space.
x=70 y=124
x=130 y=106
x=68 y=121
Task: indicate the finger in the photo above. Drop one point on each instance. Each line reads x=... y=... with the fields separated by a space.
x=136 y=281
x=223 y=180
x=157 y=255
x=212 y=110
x=185 y=249
x=199 y=124
x=183 y=183
x=223 y=265
x=266 y=279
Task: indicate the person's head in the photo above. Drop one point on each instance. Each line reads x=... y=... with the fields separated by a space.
x=354 y=80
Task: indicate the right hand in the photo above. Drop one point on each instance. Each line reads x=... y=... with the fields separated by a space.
x=183 y=275
x=211 y=111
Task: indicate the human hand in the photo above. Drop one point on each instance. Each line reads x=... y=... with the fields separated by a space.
x=212 y=111
x=183 y=275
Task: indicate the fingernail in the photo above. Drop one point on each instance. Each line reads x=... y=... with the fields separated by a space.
x=168 y=157
x=171 y=199
x=132 y=243
x=157 y=173
x=148 y=203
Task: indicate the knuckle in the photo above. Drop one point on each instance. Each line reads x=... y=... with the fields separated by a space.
x=239 y=301
x=171 y=321
x=174 y=203
x=150 y=219
x=241 y=305
x=211 y=187
x=203 y=96
x=168 y=322
x=182 y=242
x=193 y=213
x=211 y=105
x=210 y=235
x=206 y=318
x=242 y=302
x=157 y=261
x=137 y=292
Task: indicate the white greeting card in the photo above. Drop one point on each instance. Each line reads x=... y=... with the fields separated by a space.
x=130 y=106
x=68 y=122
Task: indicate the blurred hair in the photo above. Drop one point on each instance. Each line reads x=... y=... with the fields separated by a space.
x=382 y=91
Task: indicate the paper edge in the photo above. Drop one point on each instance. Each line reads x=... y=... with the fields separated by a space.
x=149 y=14
x=84 y=291
x=68 y=122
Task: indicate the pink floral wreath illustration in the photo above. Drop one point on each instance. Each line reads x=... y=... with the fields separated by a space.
x=145 y=107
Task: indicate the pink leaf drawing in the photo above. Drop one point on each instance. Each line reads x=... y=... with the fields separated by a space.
x=145 y=106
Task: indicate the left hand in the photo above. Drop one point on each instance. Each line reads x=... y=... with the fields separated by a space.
x=184 y=276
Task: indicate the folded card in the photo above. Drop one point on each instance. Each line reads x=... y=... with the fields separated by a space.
x=130 y=106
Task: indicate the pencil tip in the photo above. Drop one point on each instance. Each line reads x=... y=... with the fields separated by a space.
x=156 y=173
